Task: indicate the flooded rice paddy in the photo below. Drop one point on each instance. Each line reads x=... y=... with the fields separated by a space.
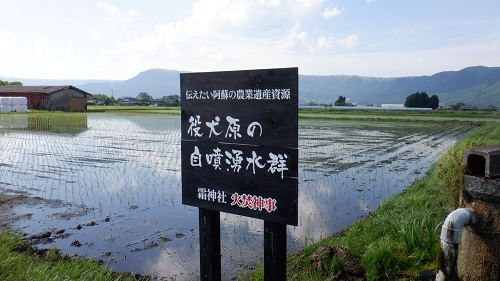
x=111 y=186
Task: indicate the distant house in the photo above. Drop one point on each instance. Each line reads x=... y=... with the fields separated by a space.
x=129 y=101
x=64 y=98
x=445 y=107
x=487 y=108
x=157 y=102
x=467 y=107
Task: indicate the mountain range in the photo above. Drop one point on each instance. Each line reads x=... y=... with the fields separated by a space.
x=477 y=85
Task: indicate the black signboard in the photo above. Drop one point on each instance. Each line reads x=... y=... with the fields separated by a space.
x=239 y=145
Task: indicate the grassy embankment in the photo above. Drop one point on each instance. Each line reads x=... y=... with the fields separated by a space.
x=399 y=239
x=19 y=261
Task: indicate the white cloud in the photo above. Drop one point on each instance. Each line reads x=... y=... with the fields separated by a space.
x=250 y=18
x=219 y=16
x=225 y=31
x=331 y=12
x=95 y=34
x=349 y=41
x=324 y=42
x=294 y=38
x=132 y=13
x=41 y=43
x=270 y=2
x=301 y=41
x=116 y=13
x=233 y=17
x=8 y=39
x=24 y=59
x=212 y=29
x=301 y=8
x=70 y=48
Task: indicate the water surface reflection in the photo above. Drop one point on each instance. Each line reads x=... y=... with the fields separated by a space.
x=115 y=186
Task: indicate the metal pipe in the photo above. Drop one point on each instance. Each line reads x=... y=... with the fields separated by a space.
x=451 y=235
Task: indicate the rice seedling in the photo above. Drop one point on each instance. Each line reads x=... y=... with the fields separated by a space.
x=110 y=162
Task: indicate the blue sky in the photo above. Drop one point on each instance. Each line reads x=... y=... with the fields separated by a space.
x=117 y=39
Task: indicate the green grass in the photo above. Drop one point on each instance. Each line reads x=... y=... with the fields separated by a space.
x=400 y=239
x=21 y=262
x=451 y=167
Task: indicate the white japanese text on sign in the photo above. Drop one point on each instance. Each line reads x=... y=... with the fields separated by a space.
x=240 y=94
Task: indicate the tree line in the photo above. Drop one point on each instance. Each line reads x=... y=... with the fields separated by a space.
x=422 y=100
x=142 y=97
x=13 y=83
x=418 y=99
x=341 y=101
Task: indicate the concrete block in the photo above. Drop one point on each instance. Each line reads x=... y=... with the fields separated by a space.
x=483 y=161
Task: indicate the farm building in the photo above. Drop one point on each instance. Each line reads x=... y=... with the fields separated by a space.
x=64 y=98
x=129 y=101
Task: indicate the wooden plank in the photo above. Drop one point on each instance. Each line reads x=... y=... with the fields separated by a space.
x=274 y=251
x=222 y=190
x=210 y=253
x=239 y=133
x=277 y=125
x=268 y=97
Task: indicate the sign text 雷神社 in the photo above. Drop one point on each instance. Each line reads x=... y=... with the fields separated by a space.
x=239 y=145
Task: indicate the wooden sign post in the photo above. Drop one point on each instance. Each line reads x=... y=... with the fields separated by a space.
x=239 y=152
